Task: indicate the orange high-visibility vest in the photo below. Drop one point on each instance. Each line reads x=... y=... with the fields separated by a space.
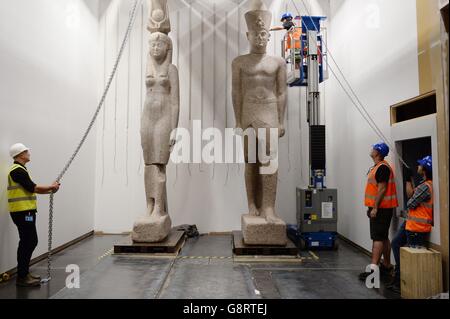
x=293 y=36
x=420 y=219
x=390 y=197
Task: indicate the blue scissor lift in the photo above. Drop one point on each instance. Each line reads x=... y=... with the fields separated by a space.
x=306 y=62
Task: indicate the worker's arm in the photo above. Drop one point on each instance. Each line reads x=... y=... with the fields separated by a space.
x=281 y=94
x=409 y=189
x=276 y=28
x=382 y=188
x=41 y=189
x=408 y=174
x=236 y=91
x=382 y=177
x=21 y=176
x=421 y=194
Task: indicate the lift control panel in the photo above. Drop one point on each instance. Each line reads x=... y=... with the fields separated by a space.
x=317 y=210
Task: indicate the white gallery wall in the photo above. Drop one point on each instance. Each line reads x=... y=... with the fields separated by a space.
x=55 y=58
x=48 y=88
x=375 y=45
x=207 y=36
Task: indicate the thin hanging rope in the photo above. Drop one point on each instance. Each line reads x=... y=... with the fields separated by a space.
x=202 y=81
x=226 y=85
x=116 y=93
x=105 y=55
x=239 y=53
x=190 y=77
x=128 y=108
x=214 y=80
x=141 y=98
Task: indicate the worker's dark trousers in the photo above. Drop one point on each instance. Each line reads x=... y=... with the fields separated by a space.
x=405 y=238
x=26 y=224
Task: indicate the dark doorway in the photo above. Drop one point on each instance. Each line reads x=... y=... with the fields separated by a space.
x=411 y=151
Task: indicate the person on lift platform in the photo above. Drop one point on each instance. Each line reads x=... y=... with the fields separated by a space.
x=288 y=24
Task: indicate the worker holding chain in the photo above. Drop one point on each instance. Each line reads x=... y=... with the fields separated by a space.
x=22 y=202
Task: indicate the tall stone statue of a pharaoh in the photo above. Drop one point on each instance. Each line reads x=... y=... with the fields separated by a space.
x=259 y=100
x=158 y=119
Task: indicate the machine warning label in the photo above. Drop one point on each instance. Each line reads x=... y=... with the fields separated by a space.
x=327 y=210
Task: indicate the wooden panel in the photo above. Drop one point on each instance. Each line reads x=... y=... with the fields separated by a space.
x=428 y=36
x=432 y=76
x=421 y=273
x=416 y=107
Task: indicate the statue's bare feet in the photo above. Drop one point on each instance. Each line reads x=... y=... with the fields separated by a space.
x=270 y=215
x=252 y=210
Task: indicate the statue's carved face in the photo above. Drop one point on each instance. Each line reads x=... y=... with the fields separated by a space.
x=258 y=39
x=158 y=48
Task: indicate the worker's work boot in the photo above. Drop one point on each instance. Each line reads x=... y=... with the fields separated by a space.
x=28 y=281
x=394 y=286
x=386 y=271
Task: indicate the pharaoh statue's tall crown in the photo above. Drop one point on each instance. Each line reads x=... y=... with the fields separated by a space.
x=258 y=18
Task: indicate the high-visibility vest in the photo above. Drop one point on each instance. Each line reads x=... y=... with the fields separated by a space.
x=19 y=199
x=293 y=36
x=420 y=219
x=390 y=197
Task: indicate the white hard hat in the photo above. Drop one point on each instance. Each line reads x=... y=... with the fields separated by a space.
x=16 y=149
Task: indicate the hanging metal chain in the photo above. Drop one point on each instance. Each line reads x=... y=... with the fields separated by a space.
x=85 y=135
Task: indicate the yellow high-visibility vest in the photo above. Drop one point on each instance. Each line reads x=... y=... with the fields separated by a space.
x=19 y=199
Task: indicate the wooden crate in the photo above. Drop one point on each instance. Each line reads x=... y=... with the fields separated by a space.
x=421 y=273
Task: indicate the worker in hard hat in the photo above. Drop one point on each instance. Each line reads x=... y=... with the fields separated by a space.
x=23 y=207
x=293 y=34
x=292 y=39
x=380 y=200
x=419 y=217
x=286 y=19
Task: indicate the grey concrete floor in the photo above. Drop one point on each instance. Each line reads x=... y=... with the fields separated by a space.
x=204 y=268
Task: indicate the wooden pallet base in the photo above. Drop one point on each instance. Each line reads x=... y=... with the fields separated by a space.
x=170 y=245
x=241 y=249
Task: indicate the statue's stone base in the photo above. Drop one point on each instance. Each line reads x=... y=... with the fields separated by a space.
x=257 y=231
x=169 y=246
x=150 y=229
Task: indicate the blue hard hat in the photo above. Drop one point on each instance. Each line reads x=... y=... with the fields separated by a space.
x=427 y=163
x=382 y=148
x=286 y=15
